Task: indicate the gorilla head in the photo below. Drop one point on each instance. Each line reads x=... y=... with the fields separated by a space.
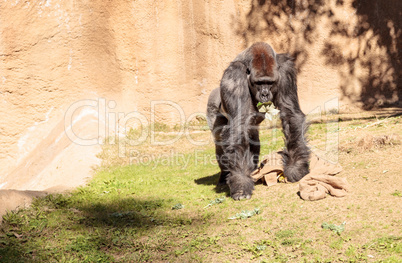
x=263 y=73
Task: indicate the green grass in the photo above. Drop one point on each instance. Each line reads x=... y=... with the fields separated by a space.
x=125 y=215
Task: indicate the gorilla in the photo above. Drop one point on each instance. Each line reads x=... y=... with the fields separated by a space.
x=256 y=75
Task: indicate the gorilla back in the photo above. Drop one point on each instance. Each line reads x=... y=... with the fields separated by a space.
x=257 y=74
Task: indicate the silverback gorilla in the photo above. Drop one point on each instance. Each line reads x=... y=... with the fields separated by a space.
x=256 y=75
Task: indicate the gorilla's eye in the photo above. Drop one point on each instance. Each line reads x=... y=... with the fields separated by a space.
x=248 y=71
x=262 y=83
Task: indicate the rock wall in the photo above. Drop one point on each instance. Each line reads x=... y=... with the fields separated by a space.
x=158 y=60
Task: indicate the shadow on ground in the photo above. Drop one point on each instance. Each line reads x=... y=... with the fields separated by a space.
x=213 y=180
x=89 y=228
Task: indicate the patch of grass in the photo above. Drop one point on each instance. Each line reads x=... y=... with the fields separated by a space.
x=160 y=127
x=386 y=245
x=285 y=234
x=337 y=244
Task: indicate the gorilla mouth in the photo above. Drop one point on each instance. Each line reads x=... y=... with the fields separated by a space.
x=265 y=98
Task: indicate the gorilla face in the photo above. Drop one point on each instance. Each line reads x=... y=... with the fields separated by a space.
x=261 y=90
x=264 y=93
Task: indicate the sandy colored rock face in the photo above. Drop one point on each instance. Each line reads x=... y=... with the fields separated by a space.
x=167 y=56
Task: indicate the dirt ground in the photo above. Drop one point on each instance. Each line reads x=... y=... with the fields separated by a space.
x=369 y=152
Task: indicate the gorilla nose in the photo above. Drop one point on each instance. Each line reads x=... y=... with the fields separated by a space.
x=265 y=95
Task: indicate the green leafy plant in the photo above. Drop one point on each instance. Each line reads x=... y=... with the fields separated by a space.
x=246 y=214
x=336 y=228
x=177 y=206
x=216 y=201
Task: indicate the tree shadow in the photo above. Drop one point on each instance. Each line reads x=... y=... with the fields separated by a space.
x=377 y=36
x=295 y=33
x=94 y=226
x=127 y=213
x=363 y=42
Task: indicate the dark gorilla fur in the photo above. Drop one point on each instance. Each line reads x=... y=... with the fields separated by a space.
x=257 y=74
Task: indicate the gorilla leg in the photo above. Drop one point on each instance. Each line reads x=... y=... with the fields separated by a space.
x=216 y=122
x=254 y=148
x=237 y=158
x=220 y=122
